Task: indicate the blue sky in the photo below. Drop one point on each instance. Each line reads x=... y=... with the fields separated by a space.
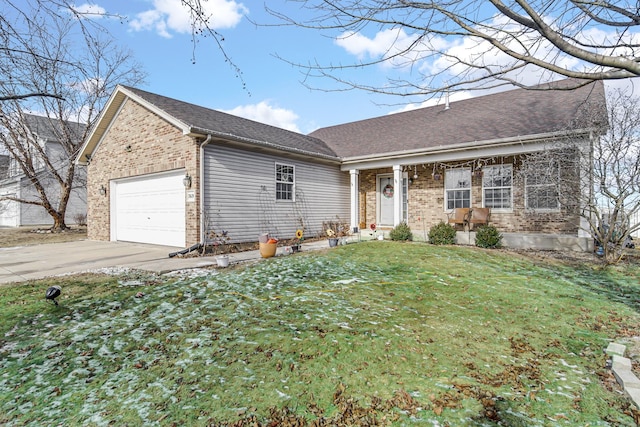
x=160 y=40
x=158 y=34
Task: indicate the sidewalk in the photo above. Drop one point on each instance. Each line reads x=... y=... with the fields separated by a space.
x=39 y=261
x=176 y=263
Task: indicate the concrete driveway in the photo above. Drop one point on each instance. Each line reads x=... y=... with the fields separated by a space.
x=39 y=261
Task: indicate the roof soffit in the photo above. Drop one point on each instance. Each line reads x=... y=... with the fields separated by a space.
x=467 y=151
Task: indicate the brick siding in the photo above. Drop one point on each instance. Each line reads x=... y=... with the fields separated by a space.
x=426 y=206
x=139 y=143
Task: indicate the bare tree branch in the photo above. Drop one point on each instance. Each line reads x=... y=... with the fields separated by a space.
x=30 y=95
x=74 y=76
x=605 y=168
x=582 y=39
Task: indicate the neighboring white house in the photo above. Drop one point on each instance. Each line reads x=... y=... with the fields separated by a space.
x=14 y=183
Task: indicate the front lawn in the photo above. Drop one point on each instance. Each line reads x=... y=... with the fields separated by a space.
x=376 y=333
x=25 y=236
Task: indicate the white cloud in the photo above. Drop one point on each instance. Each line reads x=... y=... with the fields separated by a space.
x=385 y=44
x=171 y=16
x=438 y=60
x=263 y=112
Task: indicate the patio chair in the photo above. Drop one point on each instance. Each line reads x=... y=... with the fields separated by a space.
x=459 y=216
x=479 y=216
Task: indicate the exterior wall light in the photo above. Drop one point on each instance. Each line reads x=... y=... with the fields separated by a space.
x=186 y=181
x=103 y=190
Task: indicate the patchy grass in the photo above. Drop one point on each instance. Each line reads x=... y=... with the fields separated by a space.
x=26 y=236
x=375 y=333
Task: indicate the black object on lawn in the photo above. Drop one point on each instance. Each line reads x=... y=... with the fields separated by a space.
x=52 y=293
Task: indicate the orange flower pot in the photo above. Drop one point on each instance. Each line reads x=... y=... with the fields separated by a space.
x=267 y=250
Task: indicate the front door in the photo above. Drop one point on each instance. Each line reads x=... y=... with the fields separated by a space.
x=386 y=192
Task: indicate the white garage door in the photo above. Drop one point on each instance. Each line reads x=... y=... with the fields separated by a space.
x=150 y=209
x=9 y=211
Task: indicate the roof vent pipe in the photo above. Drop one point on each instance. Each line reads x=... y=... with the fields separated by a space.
x=446 y=100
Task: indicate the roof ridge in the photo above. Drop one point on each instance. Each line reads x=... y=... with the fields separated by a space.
x=451 y=104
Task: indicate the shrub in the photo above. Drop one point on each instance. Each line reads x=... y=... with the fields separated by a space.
x=401 y=232
x=442 y=234
x=488 y=236
x=80 y=219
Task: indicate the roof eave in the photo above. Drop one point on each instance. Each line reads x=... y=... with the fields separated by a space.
x=198 y=132
x=466 y=146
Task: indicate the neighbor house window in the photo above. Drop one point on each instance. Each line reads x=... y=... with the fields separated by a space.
x=285 y=180
x=541 y=182
x=457 y=185
x=496 y=186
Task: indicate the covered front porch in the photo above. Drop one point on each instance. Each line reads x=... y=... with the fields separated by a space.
x=422 y=190
x=537 y=241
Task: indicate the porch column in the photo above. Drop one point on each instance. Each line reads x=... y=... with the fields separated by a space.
x=397 y=194
x=355 y=207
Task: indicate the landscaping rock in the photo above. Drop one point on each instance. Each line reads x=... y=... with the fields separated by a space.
x=615 y=349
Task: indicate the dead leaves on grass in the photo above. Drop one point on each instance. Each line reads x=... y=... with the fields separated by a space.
x=349 y=412
x=381 y=412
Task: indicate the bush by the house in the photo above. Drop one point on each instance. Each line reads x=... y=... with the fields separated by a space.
x=442 y=234
x=488 y=236
x=402 y=231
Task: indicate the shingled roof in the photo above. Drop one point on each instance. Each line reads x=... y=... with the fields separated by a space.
x=510 y=114
x=52 y=129
x=208 y=121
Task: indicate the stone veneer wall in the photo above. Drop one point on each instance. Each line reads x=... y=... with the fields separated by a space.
x=426 y=206
x=155 y=146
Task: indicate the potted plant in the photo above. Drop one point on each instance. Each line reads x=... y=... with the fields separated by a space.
x=268 y=245
x=336 y=231
x=295 y=243
x=296 y=246
x=333 y=239
x=218 y=243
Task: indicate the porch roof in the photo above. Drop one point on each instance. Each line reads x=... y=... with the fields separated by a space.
x=512 y=115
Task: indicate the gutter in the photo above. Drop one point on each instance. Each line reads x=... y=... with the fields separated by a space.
x=265 y=144
x=461 y=147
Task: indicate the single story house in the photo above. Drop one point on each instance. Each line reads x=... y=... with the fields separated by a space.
x=167 y=172
x=14 y=184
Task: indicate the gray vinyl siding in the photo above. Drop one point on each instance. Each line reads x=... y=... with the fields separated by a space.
x=37 y=215
x=31 y=215
x=23 y=214
x=240 y=195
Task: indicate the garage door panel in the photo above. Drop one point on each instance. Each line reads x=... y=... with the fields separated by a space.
x=151 y=209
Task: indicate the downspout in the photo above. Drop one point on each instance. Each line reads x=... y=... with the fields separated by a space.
x=202 y=187
x=200 y=245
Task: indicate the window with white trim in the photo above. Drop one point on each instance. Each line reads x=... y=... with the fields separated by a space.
x=285 y=182
x=457 y=185
x=496 y=186
x=541 y=186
